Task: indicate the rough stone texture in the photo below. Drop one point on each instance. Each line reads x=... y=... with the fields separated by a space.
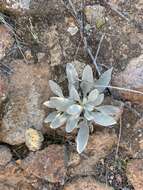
x=136 y=140
x=131 y=78
x=95 y=15
x=47 y=164
x=54 y=46
x=87 y=183
x=3 y=92
x=6 y=40
x=12 y=177
x=5 y=155
x=98 y=147
x=135 y=173
x=28 y=89
x=40 y=7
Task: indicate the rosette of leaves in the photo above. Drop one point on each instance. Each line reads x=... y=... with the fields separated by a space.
x=83 y=106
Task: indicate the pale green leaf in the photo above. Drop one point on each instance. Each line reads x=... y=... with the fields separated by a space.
x=49 y=104
x=88 y=115
x=86 y=87
x=91 y=105
x=71 y=123
x=103 y=119
x=87 y=75
x=82 y=137
x=93 y=95
x=50 y=117
x=104 y=80
x=59 y=120
x=56 y=89
x=74 y=109
x=60 y=103
x=74 y=94
x=109 y=109
x=72 y=75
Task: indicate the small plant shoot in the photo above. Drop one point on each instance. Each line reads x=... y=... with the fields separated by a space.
x=83 y=107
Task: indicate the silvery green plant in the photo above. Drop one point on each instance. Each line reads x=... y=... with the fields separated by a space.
x=82 y=107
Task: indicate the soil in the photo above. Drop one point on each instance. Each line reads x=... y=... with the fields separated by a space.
x=121 y=43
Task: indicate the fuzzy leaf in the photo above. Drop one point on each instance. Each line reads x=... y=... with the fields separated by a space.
x=88 y=115
x=90 y=106
x=74 y=94
x=103 y=119
x=60 y=103
x=87 y=74
x=56 y=89
x=49 y=104
x=74 y=109
x=93 y=95
x=86 y=87
x=109 y=109
x=50 y=117
x=72 y=75
x=82 y=137
x=71 y=123
x=104 y=80
x=59 y=120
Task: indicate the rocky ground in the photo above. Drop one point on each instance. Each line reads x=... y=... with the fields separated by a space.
x=37 y=39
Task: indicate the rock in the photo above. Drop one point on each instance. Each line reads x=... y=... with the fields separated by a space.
x=131 y=78
x=5 y=155
x=33 y=139
x=6 y=40
x=136 y=140
x=47 y=164
x=71 y=25
x=54 y=46
x=12 y=177
x=28 y=88
x=40 y=7
x=98 y=146
x=95 y=15
x=86 y=183
x=135 y=173
x=3 y=92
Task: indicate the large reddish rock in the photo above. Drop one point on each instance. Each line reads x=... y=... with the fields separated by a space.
x=135 y=173
x=131 y=78
x=99 y=145
x=47 y=164
x=86 y=183
x=12 y=177
x=27 y=89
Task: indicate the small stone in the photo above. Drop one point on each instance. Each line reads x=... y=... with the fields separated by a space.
x=5 y=155
x=131 y=78
x=33 y=139
x=95 y=15
x=6 y=40
x=135 y=173
x=86 y=183
x=47 y=164
x=71 y=25
x=74 y=159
